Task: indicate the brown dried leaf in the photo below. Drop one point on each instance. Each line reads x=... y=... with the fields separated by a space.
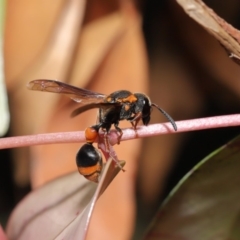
x=78 y=228
x=47 y=210
x=29 y=112
x=62 y=208
x=119 y=62
x=97 y=39
x=227 y=35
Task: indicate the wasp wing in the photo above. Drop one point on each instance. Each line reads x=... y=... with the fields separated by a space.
x=79 y=95
x=84 y=108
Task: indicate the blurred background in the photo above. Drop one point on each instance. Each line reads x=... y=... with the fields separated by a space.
x=143 y=46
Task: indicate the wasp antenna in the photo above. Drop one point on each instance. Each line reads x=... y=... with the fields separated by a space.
x=166 y=115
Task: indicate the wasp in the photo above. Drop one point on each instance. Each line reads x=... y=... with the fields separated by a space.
x=113 y=108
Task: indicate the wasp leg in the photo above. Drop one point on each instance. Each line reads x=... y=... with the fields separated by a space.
x=119 y=130
x=136 y=120
x=106 y=142
x=111 y=153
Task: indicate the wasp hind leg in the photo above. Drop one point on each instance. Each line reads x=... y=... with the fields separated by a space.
x=112 y=154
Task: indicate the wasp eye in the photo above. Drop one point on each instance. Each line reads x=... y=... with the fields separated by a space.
x=146 y=119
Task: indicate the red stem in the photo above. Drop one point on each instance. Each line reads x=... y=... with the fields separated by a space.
x=129 y=133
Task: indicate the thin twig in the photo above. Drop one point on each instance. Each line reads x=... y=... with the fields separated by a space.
x=129 y=133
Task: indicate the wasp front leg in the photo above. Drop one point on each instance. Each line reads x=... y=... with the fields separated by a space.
x=135 y=120
x=120 y=133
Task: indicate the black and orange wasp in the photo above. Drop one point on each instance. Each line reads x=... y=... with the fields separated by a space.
x=113 y=108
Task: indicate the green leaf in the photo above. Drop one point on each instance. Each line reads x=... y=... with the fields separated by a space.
x=205 y=204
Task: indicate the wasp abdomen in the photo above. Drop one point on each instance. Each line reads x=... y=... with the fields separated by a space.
x=89 y=162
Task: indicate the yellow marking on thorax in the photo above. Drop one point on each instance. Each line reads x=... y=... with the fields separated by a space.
x=130 y=99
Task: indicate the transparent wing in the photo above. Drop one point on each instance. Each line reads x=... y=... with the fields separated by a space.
x=79 y=95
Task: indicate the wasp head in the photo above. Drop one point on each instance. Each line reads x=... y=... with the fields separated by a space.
x=143 y=106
